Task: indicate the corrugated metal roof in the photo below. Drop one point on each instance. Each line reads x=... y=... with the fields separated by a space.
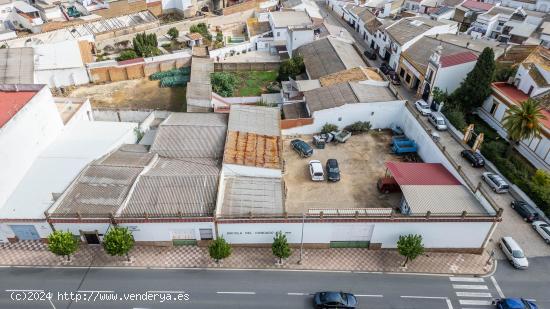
x=259 y=196
x=255 y=119
x=322 y=57
x=17 y=65
x=329 y=97
x=173 y=187
x=430 y=174
x=191 y=135
x=444 y=199
x=129 y=155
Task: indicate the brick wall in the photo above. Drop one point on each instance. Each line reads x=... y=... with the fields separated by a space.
x=140 y=70
x=292 y=123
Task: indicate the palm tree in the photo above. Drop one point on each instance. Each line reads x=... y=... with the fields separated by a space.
x=523 y=121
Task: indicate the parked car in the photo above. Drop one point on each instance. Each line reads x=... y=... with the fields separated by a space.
x=370 y=54
x=514 y=303
x=302 y=148
x=333 y=171
x=543 y=229
x=513 y=252
x=526 y=211
x=316 y=170
x=387 y=185
x=496 y=182
x=475 y=159
x=437 y=120
x=334 y=300
x=422 y=107
x=385 y=68
x=394 y=79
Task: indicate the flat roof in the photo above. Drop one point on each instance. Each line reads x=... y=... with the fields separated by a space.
x=283 y=19
x=57 y=166
x=252 y=195
x=61 y=55
x=191 y=135
x=457 y=198
x=11 y=102
x=17 y=65
x=255 y=119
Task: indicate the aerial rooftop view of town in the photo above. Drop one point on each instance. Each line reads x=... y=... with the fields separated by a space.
x=275 y=154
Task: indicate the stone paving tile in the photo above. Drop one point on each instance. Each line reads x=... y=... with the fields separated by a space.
x=345 y=259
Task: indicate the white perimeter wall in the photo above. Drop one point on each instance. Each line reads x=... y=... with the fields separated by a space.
x=62 y=77
x=449 y=78
x=165 y=231
x=43 y=229
x=75 y=228
x=381 y=115
x=24 y=137
x=435 y=234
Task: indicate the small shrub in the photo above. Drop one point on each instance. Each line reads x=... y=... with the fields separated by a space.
x=127 y=55
x=456 y=118
x=329 y=127
x=166 y=45
x=359 y=127
x=224 y=83
x=173 y=33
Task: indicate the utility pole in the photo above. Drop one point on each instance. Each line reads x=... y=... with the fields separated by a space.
x=302 y=238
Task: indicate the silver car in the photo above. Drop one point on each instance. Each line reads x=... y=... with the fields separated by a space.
x=437 y=120
x=543 y=229
x=496 y=182
x=513 y=252
x=422 y=107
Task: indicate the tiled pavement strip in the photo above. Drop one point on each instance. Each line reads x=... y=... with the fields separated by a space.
x=30 y=253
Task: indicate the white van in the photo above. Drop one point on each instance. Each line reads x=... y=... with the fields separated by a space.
x=437 y=120
x=316 y=170
x=513 y=252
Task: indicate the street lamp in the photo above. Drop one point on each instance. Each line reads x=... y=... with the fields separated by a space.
x=302 y=238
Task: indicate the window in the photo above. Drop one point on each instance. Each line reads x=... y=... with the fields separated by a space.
x=408 y=78
x=206 y=234
x=278 y=34
x=493 y=108
x=402 y=73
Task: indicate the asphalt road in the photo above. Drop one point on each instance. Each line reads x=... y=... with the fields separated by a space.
x=218 y=289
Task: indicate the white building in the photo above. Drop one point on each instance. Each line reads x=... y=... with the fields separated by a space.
x=59 y=138
x=293 y=28
x=532 y=80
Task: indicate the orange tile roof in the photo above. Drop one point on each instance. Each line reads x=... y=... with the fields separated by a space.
x=517 y=97
x=11 y=102
x=252 y=149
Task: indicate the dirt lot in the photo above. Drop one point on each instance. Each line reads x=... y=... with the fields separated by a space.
x=133 y=94
x=361 y=160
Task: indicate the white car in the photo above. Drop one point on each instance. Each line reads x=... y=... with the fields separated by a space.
x=543 y=229
x=496 y=182
x=316 y=170
x=423 y=107
x=513 y=252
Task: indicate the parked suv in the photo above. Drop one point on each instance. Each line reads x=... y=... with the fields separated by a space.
x=497 y=183
x=302 y=148
x=437 y=120
x=513 y=252
x=473 y=157
x=525 y=210
x=316 y=170
x=333 y=171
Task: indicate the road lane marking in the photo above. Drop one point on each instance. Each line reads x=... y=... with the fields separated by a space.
x=446 y=299
x=240 y=293
x=466 y=279
x=473 y=302
x=497 y=287
x=369 y=295
x=298 y=294
x=449 y=304
x=473 y=294
x=469 y=287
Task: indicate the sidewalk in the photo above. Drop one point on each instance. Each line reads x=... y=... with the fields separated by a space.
x=37 y=254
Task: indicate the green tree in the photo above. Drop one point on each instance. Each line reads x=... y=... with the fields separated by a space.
x=173 y=33
x=280 y=246
x=329 y=127
x=219 y=249
x=62 y=243
x=127 y=55
x=410 y=246
x=219 y=36
x=118 y=241
x=201 y=28
x=224 y=83
x=146 y=45
x=291 y=68
x=523 y=121
x=477 y=85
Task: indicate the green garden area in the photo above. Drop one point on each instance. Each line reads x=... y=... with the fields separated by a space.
x=243 y=84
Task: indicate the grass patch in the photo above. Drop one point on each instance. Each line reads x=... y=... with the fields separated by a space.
x=254 y=83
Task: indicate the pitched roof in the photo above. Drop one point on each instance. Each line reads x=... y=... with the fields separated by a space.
x=175 y=187
x=458 y=58
x=407 y=29
x=191 y=135
x=458 y=198
x=17 y=65
x=254 y=119
x=421 y=174
x=252 y=195
x=11 y=102
x=371 y=22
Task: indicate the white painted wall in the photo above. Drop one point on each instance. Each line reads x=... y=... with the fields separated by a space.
x=176 y=4
x=526 y=81
x=62 y=77
x=384 y=115
x=298 y=38
x=75 y=228
x=449 y=78
x=43 y=229
x=434 y=234
x=165 y=231
x=24 y=137
x=251 y=171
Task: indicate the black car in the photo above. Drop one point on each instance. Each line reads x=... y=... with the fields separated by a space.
x=394 y=79
x=370 y=54
x=333 y=172
x=334 y=300
x=302 y=148
x=526 y=211
x=385 y=68
x=473 y=157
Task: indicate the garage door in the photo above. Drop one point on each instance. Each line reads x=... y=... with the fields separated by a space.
x=352 y=232
x=183 y=237
x=25 y=232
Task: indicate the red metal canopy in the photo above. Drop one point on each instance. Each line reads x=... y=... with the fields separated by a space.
x=421 y=174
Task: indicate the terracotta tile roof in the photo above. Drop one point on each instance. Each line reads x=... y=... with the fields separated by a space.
x=252 y=149
x=12 y=102
x=427 y=174
x=459 y=58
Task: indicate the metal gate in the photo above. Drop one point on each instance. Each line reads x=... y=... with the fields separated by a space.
x=25 y=232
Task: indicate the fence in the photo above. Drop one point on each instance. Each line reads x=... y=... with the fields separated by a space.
x=245 y=66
